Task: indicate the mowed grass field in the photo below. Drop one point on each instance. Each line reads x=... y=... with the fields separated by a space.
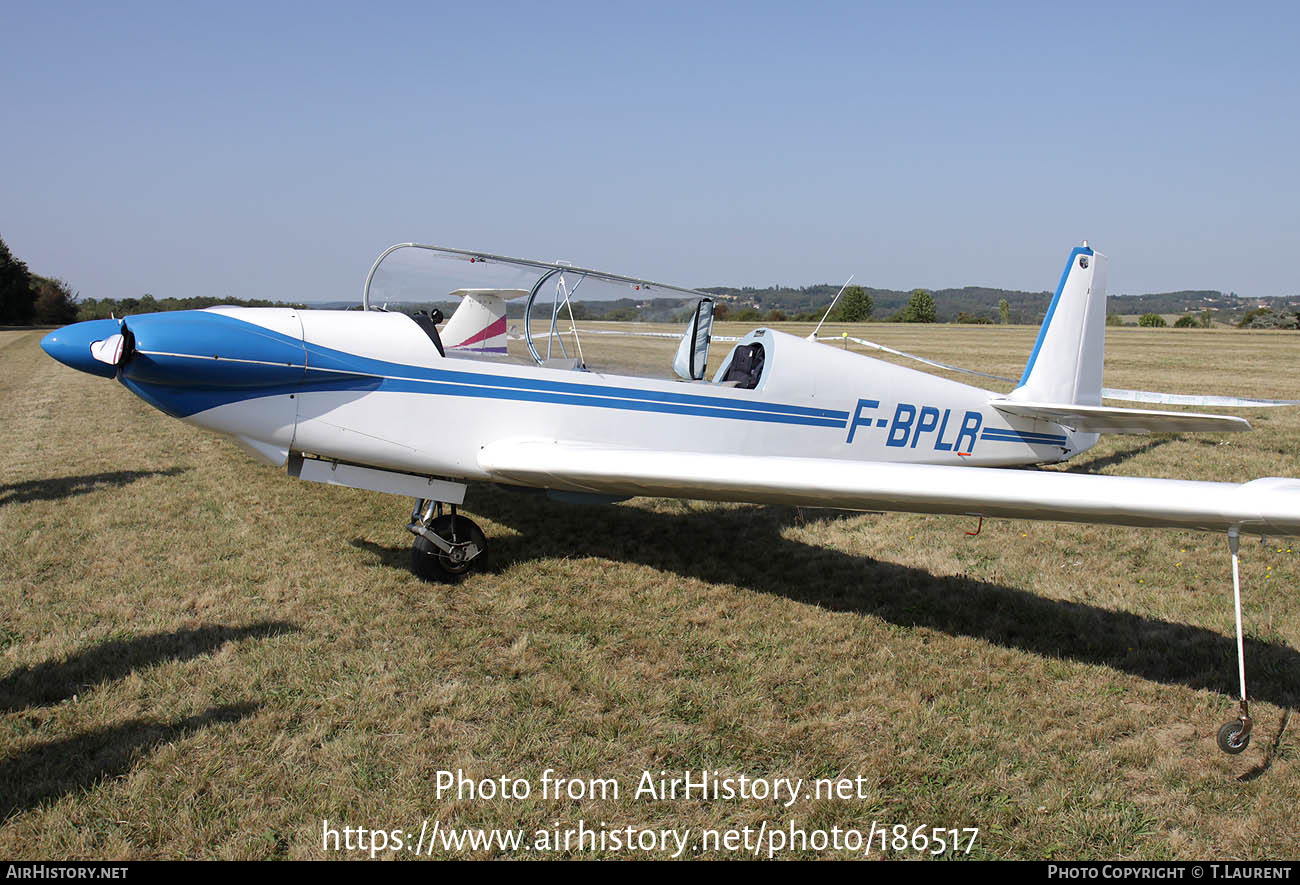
x=202 y=658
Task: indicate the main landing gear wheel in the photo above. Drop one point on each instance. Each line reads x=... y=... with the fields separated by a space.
x=467 y=541
x=446 y=546
x=1234 y=736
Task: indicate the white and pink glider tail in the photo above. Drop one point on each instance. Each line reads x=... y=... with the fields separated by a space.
x=479 y=325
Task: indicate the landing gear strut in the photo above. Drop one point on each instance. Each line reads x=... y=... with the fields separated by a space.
x=1234 y=736
x=447 y=545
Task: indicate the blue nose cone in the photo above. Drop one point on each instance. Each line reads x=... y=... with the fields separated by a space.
x=71 y=345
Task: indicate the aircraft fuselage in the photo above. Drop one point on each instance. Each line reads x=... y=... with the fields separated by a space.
x=371 y=388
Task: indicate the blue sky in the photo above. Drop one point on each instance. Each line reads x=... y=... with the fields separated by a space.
x=273 y=150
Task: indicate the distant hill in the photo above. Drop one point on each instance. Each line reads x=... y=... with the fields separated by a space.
x=982 y=301
x=791 y=303
x=26 y=298
x=979 y=301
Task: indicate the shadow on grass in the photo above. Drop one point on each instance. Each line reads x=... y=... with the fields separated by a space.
x=744 y=546
x=69 y=486
x=1270 y=752
x=56 y=768
x=55 y=681
x=1101 y=462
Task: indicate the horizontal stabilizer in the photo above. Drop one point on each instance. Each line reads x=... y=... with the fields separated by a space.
x=1103 y=419
x=1264 y=506
x=505 y=294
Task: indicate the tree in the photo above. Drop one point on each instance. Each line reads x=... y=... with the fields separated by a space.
x=1004 y=311
x=919 y=308
x=1264 y=318
x=1187 y=321
x=17 y=295
x=1152 y=321
x=855 y=306
x=56 y=303
x=1260 y=316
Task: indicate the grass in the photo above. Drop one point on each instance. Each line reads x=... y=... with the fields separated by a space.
x=200 y=657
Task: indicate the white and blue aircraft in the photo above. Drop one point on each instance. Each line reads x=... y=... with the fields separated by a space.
x=378 y=400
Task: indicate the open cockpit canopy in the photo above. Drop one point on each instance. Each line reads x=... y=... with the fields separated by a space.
x=476 y=290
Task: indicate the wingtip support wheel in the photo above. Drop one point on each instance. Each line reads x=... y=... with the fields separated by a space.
x=1234 y=736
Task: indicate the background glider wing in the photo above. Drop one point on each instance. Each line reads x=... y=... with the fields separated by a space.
x=1264 y=506
x=1193 y=399
x=1105 y=419
x=1140 y=396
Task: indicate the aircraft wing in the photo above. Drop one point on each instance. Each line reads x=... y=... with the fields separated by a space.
x=1268 y=506
x=1105 y=419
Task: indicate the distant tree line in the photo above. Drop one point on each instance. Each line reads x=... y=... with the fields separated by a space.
x=809 y=303
x=26 y=298
x=102 y=308
x=29 y=299
x=981 y=303
x=1152 y=320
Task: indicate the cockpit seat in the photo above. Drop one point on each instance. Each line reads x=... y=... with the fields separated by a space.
x=746 y=367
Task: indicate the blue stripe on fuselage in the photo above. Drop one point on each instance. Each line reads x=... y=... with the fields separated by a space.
x=329 y=360
x=328 y=369
x=995 y=434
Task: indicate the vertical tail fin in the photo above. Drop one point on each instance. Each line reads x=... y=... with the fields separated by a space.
x=479 y=324
x=1065 y=365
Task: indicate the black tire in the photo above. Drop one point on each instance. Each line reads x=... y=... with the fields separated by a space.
x=429 y=563
x=1232 y=737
